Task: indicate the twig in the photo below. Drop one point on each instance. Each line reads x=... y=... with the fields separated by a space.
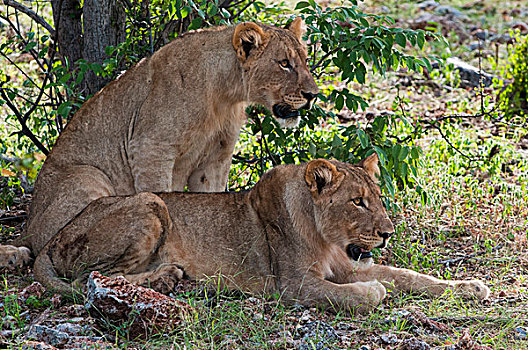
x=31 y=14
x=21 y=119
x=468 y=256
x=263 y=138
x=446 y=139
x=13 y=333
x=328 y=54
x=13 y=218
x=465 y=319
x=233 y=17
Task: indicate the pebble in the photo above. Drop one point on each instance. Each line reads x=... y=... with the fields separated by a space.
x=414 y=344
x=316 y=335
x=428 y=4
x=445 y=10
x=520 y=333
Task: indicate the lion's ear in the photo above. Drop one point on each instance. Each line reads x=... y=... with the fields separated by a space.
x=321 y=175
x=370 y=164
x=248 y=36
x=297 y=27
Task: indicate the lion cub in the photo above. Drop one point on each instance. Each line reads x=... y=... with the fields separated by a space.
x=301 y=232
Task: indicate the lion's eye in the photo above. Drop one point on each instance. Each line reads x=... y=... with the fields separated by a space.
x=285 y=64
x=359 y=202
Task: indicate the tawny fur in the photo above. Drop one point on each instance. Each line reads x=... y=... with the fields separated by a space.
x=169 y=122
x=287 y=235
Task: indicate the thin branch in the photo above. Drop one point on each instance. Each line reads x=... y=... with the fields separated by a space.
x=32 y=14
x=25 y=130
x=328 y=54
x=233 y=17
x=17 y=30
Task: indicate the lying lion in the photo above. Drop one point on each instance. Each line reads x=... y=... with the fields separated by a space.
x=302 y=231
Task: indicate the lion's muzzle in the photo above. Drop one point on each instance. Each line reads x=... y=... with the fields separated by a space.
x=357 y=253
x=284 y=111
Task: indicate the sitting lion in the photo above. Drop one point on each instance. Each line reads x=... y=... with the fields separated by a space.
x=170 y=121
x=304 y=231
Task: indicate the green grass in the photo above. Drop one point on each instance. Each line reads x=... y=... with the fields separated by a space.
x=474 y=224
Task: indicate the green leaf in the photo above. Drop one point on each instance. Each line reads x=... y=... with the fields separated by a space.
x=389 y=185
x=301 y=5
x=195 y=24
x=65 y=78
x=395 y=152
x=403 y=153
x=363 y=138
x=381 y=155
x=420 y=39
x=339 y=102
x=312 y=149
x=336 y=141
x=400 y=39
x=415 y=153
x=361 y=71
x=404 y=170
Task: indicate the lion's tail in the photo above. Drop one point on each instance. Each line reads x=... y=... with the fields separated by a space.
x=46 y=274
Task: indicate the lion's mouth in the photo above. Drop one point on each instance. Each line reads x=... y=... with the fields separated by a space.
x=284 y=111
x=357 y=253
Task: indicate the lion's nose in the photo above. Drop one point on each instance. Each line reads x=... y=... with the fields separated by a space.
x=308 y=95
x=385 y=235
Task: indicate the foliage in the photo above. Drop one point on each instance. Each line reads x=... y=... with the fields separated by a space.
x=515 y=95
x=341 y=39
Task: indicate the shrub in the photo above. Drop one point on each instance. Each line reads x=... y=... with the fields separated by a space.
x=514 y=97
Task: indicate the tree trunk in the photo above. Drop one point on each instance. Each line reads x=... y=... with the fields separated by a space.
x=68 y=26
x=104 y=25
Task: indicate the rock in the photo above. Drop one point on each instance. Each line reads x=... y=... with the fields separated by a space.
x=414 y=344
x=521 y=26
x=305 y=317
x=520 y=333
x=117 y=301
x=389 y=338
x=316 y=335
x=35 y=345
x=428 y=4
x=474 y=46
x=481 y=34
x=447 y=23
x=469 y=75
x=63 y=335
x=35 y=289
x=501 y=38
x=445 y=10
x=48 y=335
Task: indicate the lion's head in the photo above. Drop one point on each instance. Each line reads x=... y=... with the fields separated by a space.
x=275 y=69
x=348 y=208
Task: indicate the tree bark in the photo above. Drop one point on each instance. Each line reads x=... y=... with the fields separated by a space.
x=68 y=28
x=104 y=25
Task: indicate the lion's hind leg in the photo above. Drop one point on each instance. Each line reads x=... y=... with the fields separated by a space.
x=113 y=235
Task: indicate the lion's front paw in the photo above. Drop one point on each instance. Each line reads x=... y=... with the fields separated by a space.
x=12 y=257
x=473 y=288
x=372 y=293
x=165 y=278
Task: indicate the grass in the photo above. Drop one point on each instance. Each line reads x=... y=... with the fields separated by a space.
x=474 y=224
